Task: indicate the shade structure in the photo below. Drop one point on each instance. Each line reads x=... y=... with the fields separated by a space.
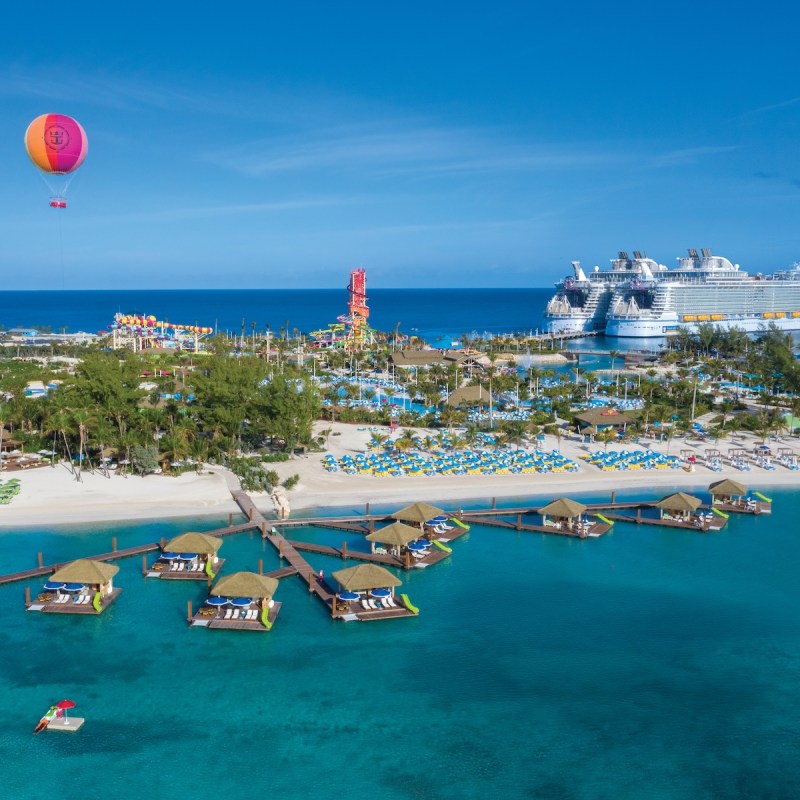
x=418 y=512
x=84 y=570
x=563 y=507
x=348 y=596
x=728 y=488
x=680 y=501
x=365 y=577
x=396 y=534
x=245 y=584
x=469 y=396
x=194 y=543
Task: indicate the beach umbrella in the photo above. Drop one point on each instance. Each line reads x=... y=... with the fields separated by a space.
x=50 y=586
x=65 y=705
x=217 y=601
x=348 y=596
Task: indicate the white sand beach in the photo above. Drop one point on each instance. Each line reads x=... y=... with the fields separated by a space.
x=51 y=496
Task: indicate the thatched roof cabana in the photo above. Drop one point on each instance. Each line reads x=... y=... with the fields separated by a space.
x=194 y=543
x=397 y=534
x=727 y=488
x=418 y=512
x=563 y=508
x=364 y=577
x=245 y=584
x=469 y=396
x=680 y=502
x=85 y=570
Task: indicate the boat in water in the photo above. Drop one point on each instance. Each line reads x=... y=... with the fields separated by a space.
x=704 y=288
x=581 y=302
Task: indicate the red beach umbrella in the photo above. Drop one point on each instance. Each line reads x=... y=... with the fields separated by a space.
x=64 y=705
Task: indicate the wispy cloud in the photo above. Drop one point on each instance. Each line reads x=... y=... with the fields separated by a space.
x=793 y=101
x=689 y=155
x=229 y=210
x=404 y=146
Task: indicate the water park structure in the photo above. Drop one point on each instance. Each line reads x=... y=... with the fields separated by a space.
x=351 y=331
x=139 y=332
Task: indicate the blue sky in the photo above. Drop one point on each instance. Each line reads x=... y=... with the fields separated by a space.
x=435 y=144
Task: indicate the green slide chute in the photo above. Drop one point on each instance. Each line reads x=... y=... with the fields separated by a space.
x=265 y=619
x=460 y=523
x=408 y=604
x=765 y=499
x=209 y=571
x=605 y=519
x=442 y=546
x=719 y=513
x=97 y=602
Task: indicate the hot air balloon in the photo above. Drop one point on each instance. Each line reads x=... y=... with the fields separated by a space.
x=57 y=145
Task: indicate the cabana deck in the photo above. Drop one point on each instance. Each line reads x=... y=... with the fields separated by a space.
x=71 y=607
x=744 y=507
x=181 y=574
x=354 y=610
x=218 y=621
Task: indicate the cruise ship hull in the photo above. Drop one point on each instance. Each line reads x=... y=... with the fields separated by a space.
x=669 y=325
x=556 y=325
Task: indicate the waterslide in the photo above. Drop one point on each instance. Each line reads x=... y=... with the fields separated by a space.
x=408 y=604
x=460 y=524
x=442 y=546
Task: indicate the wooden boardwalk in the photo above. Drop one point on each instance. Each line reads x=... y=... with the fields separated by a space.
x=286 y=550
x=361 y=524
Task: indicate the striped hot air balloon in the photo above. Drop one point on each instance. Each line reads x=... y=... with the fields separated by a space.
x=57 y=145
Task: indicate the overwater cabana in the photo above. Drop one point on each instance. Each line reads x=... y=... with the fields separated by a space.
x=418 y=513
x=367 y=592
x=565 y=514
x=729 y=495
x=396 y=537
x=83 y=587
x=242 y=601
x=190 y=556
x=678 y=506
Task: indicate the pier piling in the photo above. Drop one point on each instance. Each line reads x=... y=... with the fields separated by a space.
x=189 y=612
x=40 y=560
x=113 y=544
x=344 y=551
x=27 y=596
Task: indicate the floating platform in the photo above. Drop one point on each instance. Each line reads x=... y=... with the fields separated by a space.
x=69 y=725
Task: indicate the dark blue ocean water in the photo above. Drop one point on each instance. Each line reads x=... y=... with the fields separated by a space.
x=432 y=313
x=651 y=663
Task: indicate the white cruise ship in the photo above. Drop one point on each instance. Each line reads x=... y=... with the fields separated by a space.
x=581 y=303
x=704 y=289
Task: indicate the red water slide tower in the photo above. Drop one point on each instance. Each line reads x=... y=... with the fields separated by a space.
x=358 y=333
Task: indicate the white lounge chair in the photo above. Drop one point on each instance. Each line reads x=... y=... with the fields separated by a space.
x=389 y=602
x=228 y=613
x=373 y=604
x=365 y=605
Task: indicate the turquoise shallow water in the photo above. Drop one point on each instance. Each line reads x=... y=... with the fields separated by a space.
x=657 y=664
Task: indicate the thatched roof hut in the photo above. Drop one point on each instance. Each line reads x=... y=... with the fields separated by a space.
x=679 y=503
x=85 y=570
x=563 y=508
x=727 y=488
x=364 y=577
x=469 y=396
x=417 y=512
x=245 y=584
x=397 y=534
x=194 y=543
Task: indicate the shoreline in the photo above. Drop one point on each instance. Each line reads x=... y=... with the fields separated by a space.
x=51 y=496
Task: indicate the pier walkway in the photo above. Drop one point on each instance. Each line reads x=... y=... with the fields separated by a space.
x=286 y=550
